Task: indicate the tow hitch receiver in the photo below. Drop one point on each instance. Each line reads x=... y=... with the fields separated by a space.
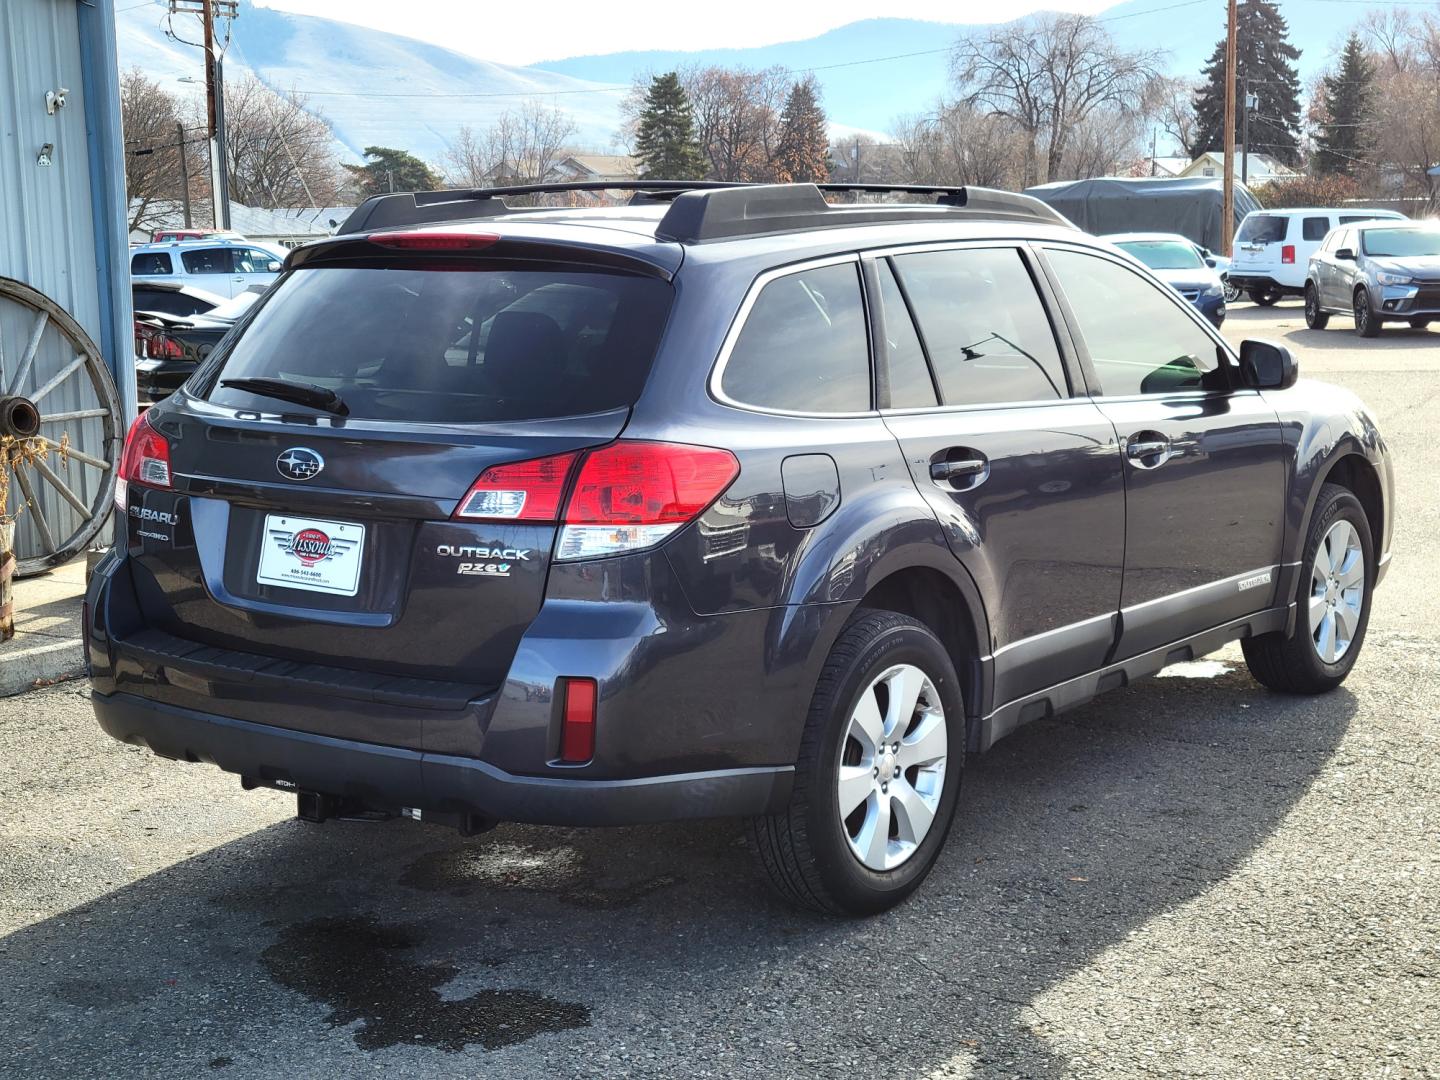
x=317 y=807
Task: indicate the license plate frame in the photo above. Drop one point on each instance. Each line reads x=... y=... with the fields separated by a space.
x=311 y=554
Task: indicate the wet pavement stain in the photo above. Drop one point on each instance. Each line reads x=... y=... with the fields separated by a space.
x=364 y=971
x=564 y=873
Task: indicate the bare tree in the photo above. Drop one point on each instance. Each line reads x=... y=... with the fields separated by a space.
x=1049 y=73
x=737 y=118
x=150 y=119
x=523 y=146
x=960 y=144
x=1406 y=124
x=1169 y=102
x=281 y=155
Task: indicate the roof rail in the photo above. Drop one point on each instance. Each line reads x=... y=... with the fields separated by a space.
x=703 y=210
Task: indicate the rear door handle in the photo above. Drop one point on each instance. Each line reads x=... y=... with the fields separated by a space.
x=970 y=469
x=1148 y=450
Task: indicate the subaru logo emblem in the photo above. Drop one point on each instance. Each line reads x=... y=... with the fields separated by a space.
x=299 y=463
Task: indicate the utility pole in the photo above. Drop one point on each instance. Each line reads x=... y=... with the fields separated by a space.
x=209 y=11
x=184 y=171
x=1227 y=202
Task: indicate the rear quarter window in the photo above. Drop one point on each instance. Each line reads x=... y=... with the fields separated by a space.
x=1315 y=228
x=1263 y=229
x=150 y=262
x=441 y=343
x=803 y=346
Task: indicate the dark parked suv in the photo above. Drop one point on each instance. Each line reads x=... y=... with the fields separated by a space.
x=725 y=502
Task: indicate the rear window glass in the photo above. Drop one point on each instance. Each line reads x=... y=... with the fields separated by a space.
x=169 y=302
x=804 y=346
x=1315 y=228
x=150 y=262
x=440 y=345
x=1263 y=229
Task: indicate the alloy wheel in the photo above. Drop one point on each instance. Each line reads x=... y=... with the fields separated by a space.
x=891 y=772
x=1337 y=591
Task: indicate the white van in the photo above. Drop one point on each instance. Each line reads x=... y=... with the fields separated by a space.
x=223 y=266
x=1272 y=248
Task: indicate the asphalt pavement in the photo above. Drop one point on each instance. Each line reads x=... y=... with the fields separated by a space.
x=1191 y=876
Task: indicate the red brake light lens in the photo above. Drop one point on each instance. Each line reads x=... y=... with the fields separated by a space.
x=152 y=343
x=637 y=483
x=577 y=727
x=523 y=491
x=435 y=241
x=1287 y=254
x=145 y=460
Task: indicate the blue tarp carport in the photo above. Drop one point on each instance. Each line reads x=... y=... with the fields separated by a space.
x=1190 y=206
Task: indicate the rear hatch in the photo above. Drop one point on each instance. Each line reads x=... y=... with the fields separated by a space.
x=1258 y=244
x=321 y=526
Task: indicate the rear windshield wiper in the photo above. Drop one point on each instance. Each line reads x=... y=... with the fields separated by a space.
x=301 y=393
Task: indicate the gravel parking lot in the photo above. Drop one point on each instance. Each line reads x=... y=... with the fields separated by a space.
x=1191 y=876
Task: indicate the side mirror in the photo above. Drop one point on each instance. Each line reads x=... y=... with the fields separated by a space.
x=1210 y=262
x=1345 y=254
x=1267 y=366
x=272 y=267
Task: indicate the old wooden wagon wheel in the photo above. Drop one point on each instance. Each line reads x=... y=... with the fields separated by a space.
x=58 y=396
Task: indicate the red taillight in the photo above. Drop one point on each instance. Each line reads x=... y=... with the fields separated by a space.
x=1287 y=254
x=636 y=483
x=524 y=491
x=152 y=343
x=145 y=460
x=627 y=496
x=577 y=722
x=435 y=241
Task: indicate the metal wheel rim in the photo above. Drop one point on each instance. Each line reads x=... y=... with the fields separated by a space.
x=891 y=768
x=55 y=474
x=1337 y=592
x=1362 y=311
x=1312 y=304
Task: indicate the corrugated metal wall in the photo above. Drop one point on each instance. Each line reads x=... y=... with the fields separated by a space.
x=47 y=235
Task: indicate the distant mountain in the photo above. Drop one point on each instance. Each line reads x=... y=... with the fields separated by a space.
x=372 y=87
x=379 y=88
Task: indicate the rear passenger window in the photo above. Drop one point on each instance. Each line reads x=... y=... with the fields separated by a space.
x=908 y=373
x=983 y=326
x=1263 y=229
x=1140 y=339
x=1315 y=228
x=150 y=262
x=207 y=261
x=803 y=347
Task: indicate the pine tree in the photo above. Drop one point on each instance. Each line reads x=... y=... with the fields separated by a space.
x=1266 y=59
x=1344 y=143
x=387 y=169
x=665 y=143
x=803 y=153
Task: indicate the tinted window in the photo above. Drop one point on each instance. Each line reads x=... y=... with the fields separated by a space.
x=404 y=343
x=909 y=374
x=206 y=261
x=803 y=347
x=1263 y=229
x=1315 y=228
x=150 y=262
x=983 y=325
x=169 y=302
x=1355 y=219
x=1140 y=340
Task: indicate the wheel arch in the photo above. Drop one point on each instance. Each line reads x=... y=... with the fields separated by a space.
x=1353 y=471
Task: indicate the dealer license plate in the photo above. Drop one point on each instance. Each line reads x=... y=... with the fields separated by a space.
x=310 y=553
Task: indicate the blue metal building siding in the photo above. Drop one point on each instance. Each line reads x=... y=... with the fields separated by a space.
x=62 y=227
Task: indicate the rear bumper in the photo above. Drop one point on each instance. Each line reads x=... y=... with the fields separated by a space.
x=392 y=778
x=1245 y=282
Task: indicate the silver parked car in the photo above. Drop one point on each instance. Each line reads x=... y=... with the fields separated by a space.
x=1377 y=271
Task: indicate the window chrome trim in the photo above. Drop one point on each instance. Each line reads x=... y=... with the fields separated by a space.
x=737 y=326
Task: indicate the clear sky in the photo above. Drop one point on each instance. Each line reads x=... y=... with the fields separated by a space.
x=526 y=32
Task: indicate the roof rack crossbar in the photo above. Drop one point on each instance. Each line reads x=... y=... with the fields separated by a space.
x=703 y=210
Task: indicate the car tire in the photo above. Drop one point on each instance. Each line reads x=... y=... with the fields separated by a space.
x=1297 y=663
x=1315 y=319
x=1265 y=297
x=812 y=855
x=1421 y=323
x=1367 y=323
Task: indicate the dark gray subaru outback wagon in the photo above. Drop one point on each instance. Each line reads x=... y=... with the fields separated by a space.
x=729 y=501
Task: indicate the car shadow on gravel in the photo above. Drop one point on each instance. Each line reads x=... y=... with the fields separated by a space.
x=655 y=951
